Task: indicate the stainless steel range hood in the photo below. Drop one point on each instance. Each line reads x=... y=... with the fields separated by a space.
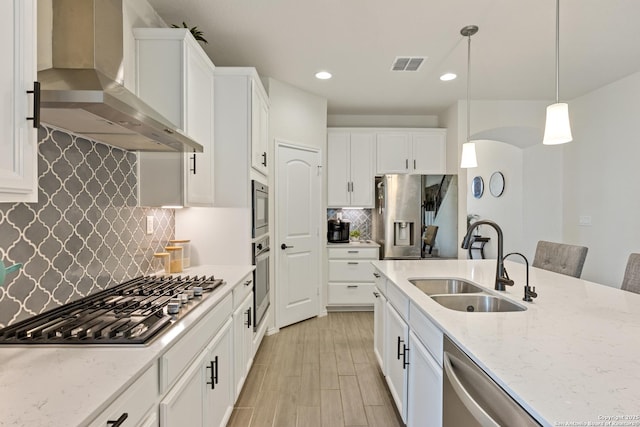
x=82 y=89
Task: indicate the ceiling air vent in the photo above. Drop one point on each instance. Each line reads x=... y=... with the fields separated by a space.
x=407 y=63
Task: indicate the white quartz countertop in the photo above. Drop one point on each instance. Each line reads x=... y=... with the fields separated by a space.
x=69 y=386
x=572 y=358
x=354 y=244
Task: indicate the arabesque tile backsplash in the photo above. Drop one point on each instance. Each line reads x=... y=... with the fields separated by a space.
x=84 y=234
x=361 y=219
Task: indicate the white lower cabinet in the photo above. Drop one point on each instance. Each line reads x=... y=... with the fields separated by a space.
x=136 y=405
x=203 y=395
x=408 y=346
x=242 y=342
x=185 y=400
x=151 y=420
x=197 y=380
x=219 y=398
x=424 y=393
x=350 y=275
x=379 y=309
x=396 y=355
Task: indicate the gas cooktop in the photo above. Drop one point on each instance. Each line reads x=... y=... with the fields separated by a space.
x=133 y=312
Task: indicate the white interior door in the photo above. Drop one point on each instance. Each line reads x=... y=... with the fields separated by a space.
x=298 y=227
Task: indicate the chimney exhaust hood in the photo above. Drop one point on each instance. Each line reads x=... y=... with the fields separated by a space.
x=82 y=91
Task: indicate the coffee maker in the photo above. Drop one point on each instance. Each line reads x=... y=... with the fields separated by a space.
x=338 y=231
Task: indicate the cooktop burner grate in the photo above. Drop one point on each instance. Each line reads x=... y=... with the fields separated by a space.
x=133 y=312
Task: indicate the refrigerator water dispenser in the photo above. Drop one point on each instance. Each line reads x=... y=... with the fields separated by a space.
x=403 y=232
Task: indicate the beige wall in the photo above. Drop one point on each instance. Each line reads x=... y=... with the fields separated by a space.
x=299 y=118
x=353 y=120
x=601 y=176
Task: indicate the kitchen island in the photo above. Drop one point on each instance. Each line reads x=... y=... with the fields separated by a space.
x=570 y=359
x=49 y=385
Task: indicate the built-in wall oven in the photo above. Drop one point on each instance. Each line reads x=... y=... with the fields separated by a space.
x=260 y=280
x=260 y=205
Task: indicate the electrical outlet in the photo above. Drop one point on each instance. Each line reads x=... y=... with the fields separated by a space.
x=584 y=220
x=150 y=224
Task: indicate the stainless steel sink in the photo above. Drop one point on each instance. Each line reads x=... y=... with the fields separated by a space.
x=481 y=303
x=445 y=286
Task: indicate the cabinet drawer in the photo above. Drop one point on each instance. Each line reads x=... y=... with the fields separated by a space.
x=241 y=290
x=430 y=335
x=135 y=401
x=350 y=271
x=351 y=293
x=398 y=299
x=177 y=358
x=353 y=253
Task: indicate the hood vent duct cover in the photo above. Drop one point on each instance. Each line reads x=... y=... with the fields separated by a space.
x=82 y=89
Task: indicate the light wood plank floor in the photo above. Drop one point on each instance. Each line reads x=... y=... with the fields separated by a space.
x=318 y=373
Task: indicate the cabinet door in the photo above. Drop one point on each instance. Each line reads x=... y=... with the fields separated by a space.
x=396 y=342
x=361 y=162
x=185 y=400
x=242 y=343
x=219 y=387
x=424 y=406
x=393 y=152
x=428 y=152
x=259 y=129
x=18 y=137
x=338 y=179
x=199 y=126
x=379 y=309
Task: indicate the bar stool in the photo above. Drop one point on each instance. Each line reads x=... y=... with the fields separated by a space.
x=477 y=244
x=560 y=258
x=631 y=281
x=429 y=238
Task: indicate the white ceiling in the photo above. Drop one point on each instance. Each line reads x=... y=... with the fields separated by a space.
x=357 y=40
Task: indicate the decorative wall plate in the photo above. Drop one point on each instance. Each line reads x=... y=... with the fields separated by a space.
x=496 y=184
x=477 y=187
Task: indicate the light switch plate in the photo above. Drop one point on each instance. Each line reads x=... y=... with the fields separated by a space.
x=584 y=220
x=150 y=224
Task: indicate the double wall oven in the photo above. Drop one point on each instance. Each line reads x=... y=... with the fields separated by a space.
x=260 y=250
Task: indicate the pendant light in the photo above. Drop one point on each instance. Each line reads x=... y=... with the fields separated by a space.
x=468 y=158
x=557 y=129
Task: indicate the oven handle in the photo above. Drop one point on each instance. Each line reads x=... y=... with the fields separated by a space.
x=262 y=255
x=465 y=397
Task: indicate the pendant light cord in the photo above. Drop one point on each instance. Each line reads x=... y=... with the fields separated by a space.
x=467 y=32
x=557 y=51
x=468 y=84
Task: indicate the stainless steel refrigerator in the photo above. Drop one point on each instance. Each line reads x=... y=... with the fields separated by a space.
x=397 y=217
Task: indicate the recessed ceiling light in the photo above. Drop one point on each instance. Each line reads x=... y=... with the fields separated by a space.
x=323 y=75
x=447 y=76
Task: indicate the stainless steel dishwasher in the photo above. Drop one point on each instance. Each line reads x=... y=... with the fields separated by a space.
x=471 y=398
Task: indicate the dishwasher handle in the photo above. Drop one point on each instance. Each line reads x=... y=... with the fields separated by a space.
x=465 y=397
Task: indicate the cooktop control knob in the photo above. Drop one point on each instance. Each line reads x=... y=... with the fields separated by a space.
x=174 y=306
x=197 y=291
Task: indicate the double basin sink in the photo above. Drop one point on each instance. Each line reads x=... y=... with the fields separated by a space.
x=460 y=295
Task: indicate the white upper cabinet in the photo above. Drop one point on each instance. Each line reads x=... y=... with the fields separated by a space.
x=176 y=77
x=259 y=127
x=18 y=136
x=393 y=152
x=350 y=168
x=413 y=151
x=241 y=133
x=428 y=151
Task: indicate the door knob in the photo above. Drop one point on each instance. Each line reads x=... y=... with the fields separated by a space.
x=284 y=246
